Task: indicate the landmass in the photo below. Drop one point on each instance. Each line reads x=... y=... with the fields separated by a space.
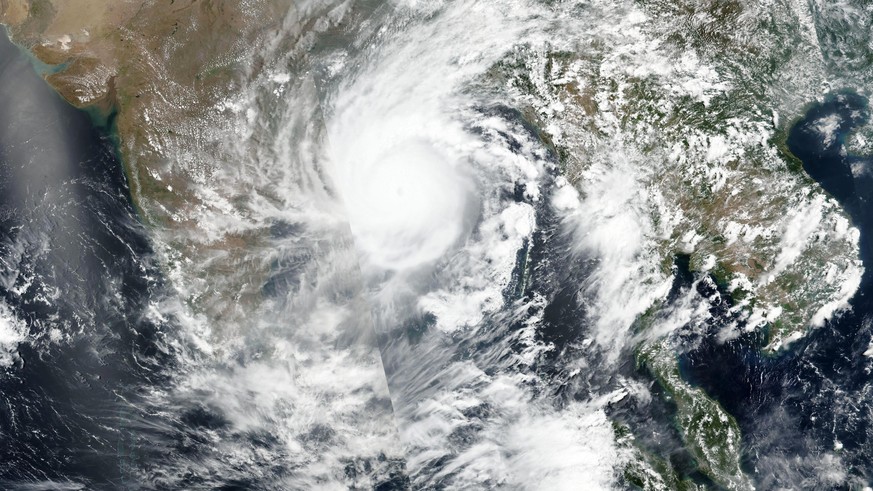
x=681 y=111
x=161 y=72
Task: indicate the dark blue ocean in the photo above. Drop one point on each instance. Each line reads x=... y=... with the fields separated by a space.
x=75 y=266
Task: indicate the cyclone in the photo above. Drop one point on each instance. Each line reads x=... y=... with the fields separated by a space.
x=407 y=200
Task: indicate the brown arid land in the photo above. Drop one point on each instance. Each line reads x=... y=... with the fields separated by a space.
x=159 y=68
